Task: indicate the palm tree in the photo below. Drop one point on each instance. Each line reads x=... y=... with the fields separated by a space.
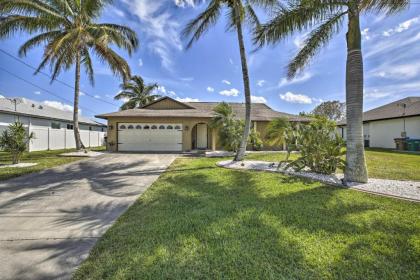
x=69 y=34
x=326 y=17
x=239 y=11
x=276 y=131
x=136 y=93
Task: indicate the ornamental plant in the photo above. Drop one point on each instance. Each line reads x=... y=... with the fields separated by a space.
x=14 y=140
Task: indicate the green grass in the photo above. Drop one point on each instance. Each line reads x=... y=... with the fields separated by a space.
x=45 y=159
x=381 y=163
x=199 y=221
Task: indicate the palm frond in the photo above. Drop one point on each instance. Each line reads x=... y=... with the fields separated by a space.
x=87 y=63
x=38 y=40
x=16 y=23
x=384 y=6
x=316 y=39
x=116 y=63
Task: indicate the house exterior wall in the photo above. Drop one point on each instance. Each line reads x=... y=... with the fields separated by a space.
x=166 y=104
x=187 y=126
x=48 y=138
x=381 y=134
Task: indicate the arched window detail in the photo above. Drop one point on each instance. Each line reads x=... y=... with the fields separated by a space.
x=177 y=127
x=162 y=127
x=130 y=127
x=122 y=127
x=169 y=127
x=154 y=127
x=146 y=127
x=138 y=126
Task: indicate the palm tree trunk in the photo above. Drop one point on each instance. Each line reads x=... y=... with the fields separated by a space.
x=79 y=144
x=356 y=170
x=242 y=148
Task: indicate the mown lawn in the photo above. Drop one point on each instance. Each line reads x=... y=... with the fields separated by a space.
x=45 y=159
x=381 y=163
x=198 y=221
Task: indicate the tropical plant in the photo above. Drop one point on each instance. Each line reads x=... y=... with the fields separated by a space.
x=239 y=12
x=14 y=140
x=276 y=129
x=333 y=110
x=321 y=147
x=326 y=17
x=136 y=93
x=255 y=140
x=69 y=34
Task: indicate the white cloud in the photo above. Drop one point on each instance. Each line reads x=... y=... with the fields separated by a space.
x=258 y=99
x=58 y=105
x=401 y=27
x=161 y=90
x=37 y=92
x=184 y=3
x=118 y=12
x=140 y=62
x=1 y=96
x=231 y=92
x=261 y=83
x=365 y=34
x=187 y=79
x=226 y=82
x=81 y=93
x=391 y=44
x=109 y=96
x=171 y=93
x=97 y=96
x=159 y=26
x=231 y=61
x=296 y=98
x=394 y=90
x=299 y=41
x=210 y=89
x=299 y=79
x=399 y=72
x=187 y=99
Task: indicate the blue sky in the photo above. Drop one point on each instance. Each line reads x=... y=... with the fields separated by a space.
x=210 y=70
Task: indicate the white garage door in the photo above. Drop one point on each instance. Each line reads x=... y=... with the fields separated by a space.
x=149 y=137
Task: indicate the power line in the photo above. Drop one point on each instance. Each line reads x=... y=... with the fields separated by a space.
x=43 y=89
x=49 y=76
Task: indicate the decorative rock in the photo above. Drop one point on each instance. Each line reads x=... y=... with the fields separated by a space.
x=18 y=165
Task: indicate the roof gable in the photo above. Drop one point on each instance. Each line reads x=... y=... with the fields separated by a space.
x=166 y=103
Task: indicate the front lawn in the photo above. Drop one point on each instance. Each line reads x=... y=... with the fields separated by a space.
x=199 y=221
x=381 y=163
x=45 y=159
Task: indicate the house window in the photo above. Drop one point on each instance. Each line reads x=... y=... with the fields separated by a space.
x=130 y=127
x=138 y=127
x=102 y=129
x=169 y=127
x=69 y=126
x=162 y=127
x=90 y=128
x=154 y=127
x=122 y=127
x=146 y=127
x=177 y=127
x=55 y=125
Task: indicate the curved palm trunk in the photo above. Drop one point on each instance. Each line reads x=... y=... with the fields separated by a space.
x=242 y=148
x=356 y=170
x=79 y=144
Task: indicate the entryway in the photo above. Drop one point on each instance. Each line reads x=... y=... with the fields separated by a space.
x=199 y=135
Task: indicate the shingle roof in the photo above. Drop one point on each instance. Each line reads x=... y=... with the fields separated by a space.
x=259 y=112
x=32 y=108
x=393 y=110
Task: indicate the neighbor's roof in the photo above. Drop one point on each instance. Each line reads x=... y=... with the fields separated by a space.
x=393 y=110
x=32 y=108
x=259 y=111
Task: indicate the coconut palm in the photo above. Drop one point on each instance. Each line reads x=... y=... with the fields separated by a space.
x=326 y=18
x=238 y=12
x=136 y=93
x=69 y=35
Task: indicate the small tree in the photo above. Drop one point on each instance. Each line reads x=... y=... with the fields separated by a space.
x=15 y=140
x=333 y=110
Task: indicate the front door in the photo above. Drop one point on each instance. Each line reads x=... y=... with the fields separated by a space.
x=201 y=136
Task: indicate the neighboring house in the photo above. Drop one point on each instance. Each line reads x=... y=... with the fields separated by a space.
x=53 y=128
x=394 y=120
x=170 y=125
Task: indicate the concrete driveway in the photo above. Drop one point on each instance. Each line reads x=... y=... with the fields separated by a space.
x=49 y=221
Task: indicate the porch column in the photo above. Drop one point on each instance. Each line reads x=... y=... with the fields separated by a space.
x=213 y=139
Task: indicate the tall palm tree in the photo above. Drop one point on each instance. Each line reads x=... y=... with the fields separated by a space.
x=69 y=34
x=136 y=93
x=239 y=11
x=326 y=18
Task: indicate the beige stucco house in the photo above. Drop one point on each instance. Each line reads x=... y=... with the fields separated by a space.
x=170 y=125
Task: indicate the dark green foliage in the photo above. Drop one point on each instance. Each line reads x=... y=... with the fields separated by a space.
x=321 y=148
x=333 y=110
x=14 y=140
x=137 y=93
x=255 y=141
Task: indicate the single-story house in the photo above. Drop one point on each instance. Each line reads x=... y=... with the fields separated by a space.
x=394 y=120
x=170 y=125
x=53 y=128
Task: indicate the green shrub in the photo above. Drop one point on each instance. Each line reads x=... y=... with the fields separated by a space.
x=321 y=147
x=255 y=140
x=15 y=140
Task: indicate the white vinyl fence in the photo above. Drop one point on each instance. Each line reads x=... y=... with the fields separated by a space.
x=56 y=139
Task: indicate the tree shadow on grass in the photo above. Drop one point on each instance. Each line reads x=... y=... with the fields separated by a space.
x=217 y=223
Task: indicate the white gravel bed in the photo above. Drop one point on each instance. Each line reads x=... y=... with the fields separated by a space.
x=403 y=189
x=82 y=154
x=18 y=165
x=211 y=154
